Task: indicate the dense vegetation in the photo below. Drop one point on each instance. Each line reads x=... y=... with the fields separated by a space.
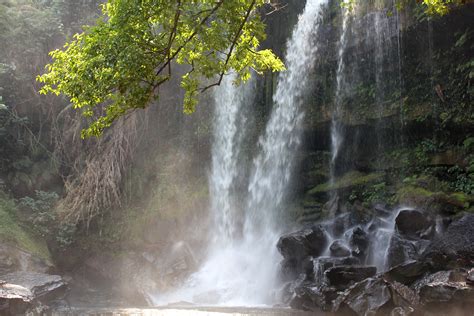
x=118 y=65
x=128 y=55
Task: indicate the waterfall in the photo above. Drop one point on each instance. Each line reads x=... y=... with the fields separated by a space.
x=273 y=166
x=369 y=45
x=229 y=128
x=242 y=262
x=386 y=43
x=337 y=132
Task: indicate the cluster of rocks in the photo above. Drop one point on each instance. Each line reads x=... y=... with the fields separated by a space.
x=428 y=266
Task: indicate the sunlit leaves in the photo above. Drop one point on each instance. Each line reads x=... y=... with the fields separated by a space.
x=440 y=7
x=117 y=65
x=432 y=7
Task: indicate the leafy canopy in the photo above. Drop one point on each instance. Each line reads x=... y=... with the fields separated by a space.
x=118 y=64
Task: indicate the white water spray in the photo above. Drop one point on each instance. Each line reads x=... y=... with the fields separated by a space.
x=241 y=269
x=229 y=131
x=273 y=166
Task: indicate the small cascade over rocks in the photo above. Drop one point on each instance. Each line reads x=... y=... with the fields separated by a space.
x=385 y=261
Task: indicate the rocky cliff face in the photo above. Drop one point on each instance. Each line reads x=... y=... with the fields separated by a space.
x=404 y=173
x=406 y=110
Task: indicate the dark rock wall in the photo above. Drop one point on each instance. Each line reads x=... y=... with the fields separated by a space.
x=407 y=107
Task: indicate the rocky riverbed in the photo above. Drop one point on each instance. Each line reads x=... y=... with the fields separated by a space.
x=427 y=267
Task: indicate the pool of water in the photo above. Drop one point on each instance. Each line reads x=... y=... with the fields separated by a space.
x=184 y=311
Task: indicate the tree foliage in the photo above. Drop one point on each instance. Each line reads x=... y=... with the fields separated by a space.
x=432 y=7
x=441 y=7
x=118 y=65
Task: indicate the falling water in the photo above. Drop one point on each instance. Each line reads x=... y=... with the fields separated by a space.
x=274 y=165
x=386 y=42
x=216 y=280
x=241 y=269
x=229 y=131
x=336 y=124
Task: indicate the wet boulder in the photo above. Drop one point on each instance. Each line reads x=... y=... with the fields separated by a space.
x=310 y=242
x=359 y=241
x=455 y=247
x=407 y=272
x=289 y=269
x=367 y=297
x=404 y=297
x=414 y=224
x=344 y=276
x=378 y=296
x=338 y=249
x=307 y=297
x=325 y=263
x=400 y=250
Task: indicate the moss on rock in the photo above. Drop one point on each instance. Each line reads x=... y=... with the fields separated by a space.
x=350 y=179
x=12 y=232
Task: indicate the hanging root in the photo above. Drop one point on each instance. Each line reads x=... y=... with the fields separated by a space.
x=96 y=167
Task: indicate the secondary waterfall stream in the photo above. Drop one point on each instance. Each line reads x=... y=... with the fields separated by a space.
x=241 y=267
x=337 y=130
